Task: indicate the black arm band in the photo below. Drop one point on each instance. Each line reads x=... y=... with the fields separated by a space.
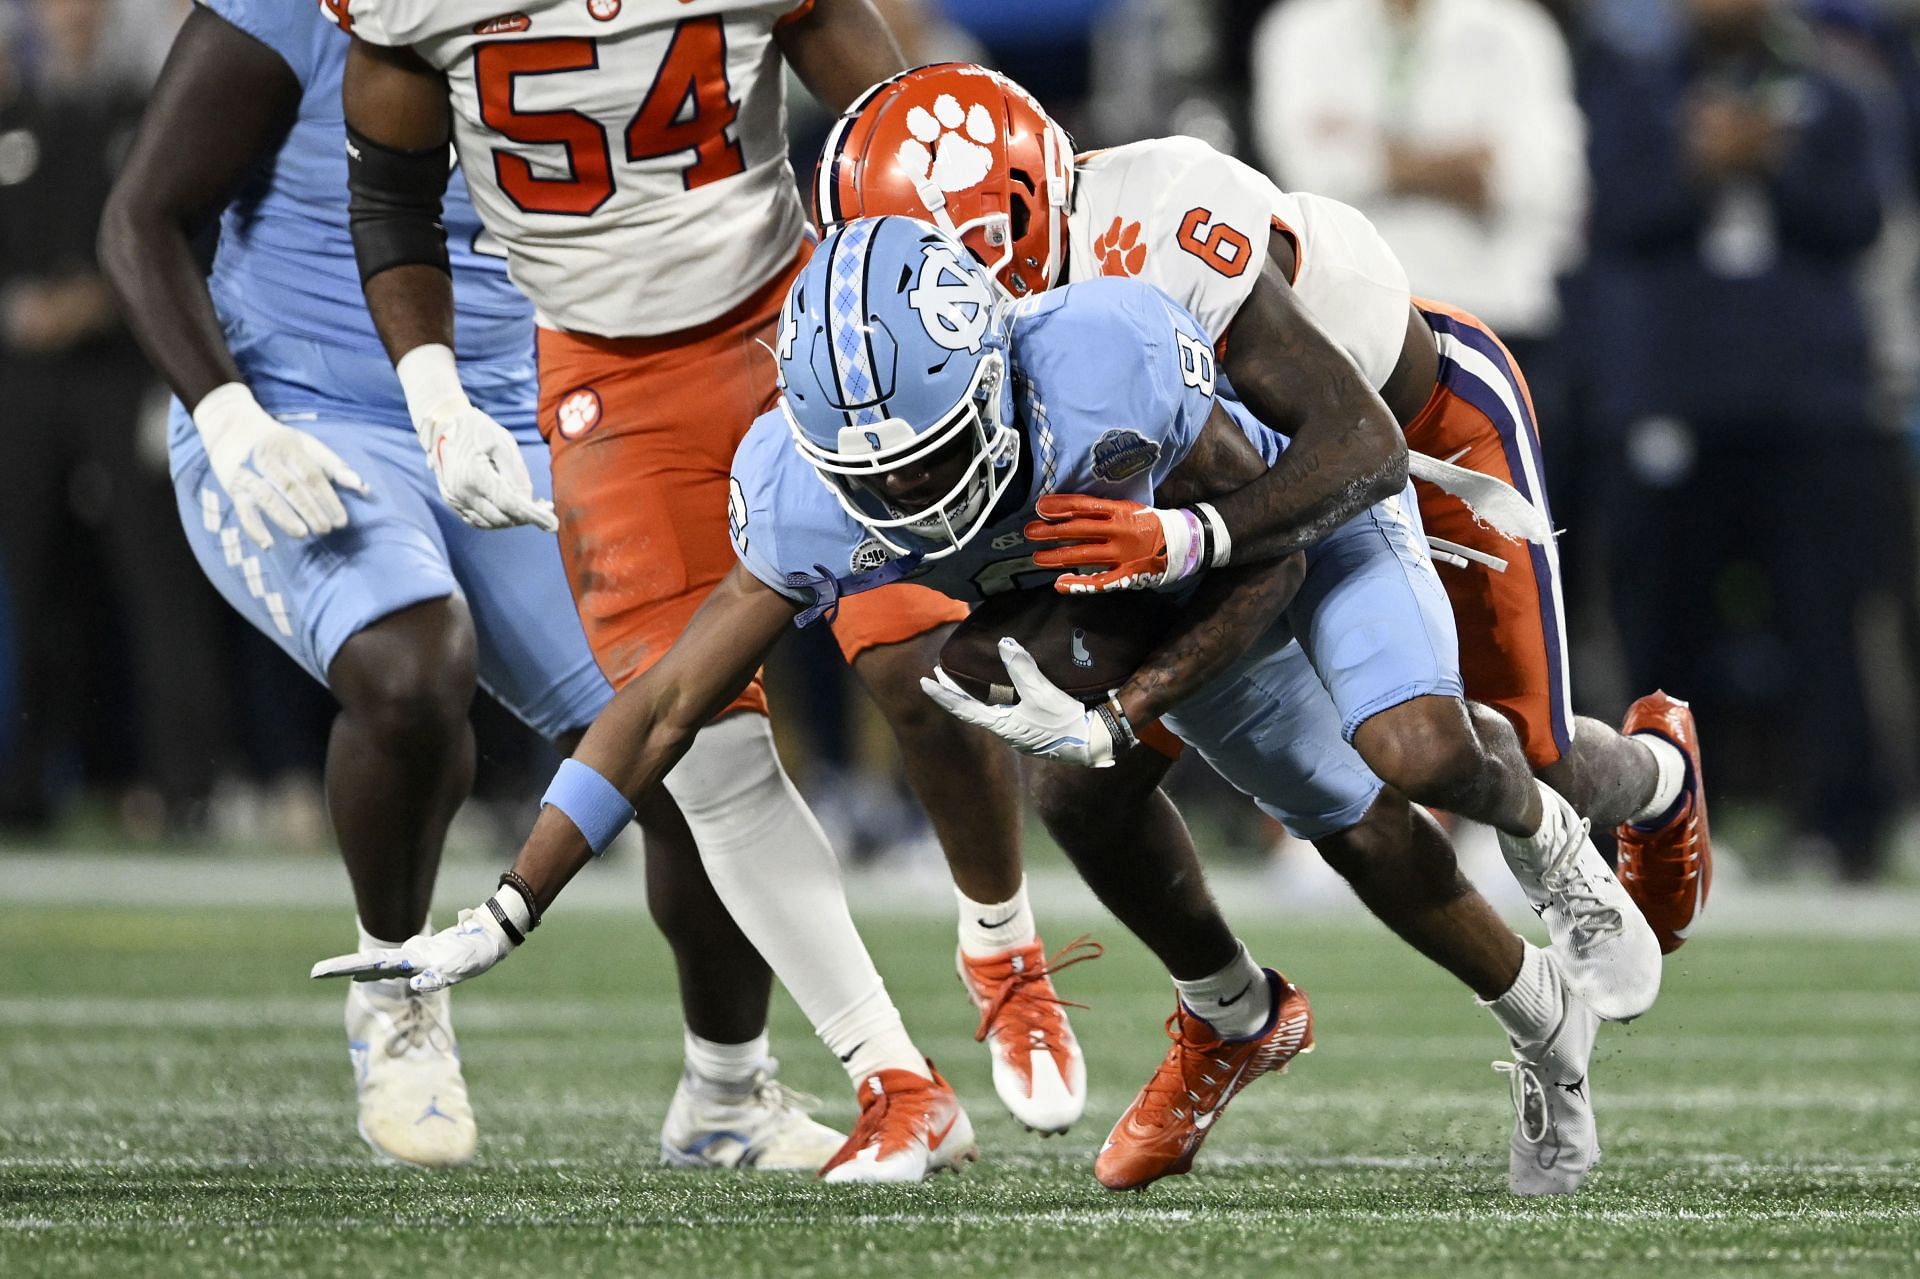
x=394 y=209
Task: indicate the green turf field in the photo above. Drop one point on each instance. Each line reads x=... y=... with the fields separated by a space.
x=175 y=1100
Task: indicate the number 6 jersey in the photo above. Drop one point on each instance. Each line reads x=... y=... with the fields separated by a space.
x=630 y=154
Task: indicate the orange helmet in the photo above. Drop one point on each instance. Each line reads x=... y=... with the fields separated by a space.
x=964 y=148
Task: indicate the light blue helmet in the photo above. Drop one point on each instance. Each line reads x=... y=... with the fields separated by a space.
x=893 y=348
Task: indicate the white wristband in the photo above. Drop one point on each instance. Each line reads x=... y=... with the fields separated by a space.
x=222 y=409
x=1220 y=542
x=430 y=377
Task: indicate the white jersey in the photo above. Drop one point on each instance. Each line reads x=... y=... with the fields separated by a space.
x=1195 y=224
x=631 y=155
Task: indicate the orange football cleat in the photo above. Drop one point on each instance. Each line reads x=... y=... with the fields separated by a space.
x=910 y=1127
x=1161 y=1131
x=1037 y=1067
x=1668 y=869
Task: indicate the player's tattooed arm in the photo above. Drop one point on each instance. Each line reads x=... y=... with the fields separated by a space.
x=1233 y=606
x=840 y=49
x=223 y=101
x=1346 y=451
x=650 y=723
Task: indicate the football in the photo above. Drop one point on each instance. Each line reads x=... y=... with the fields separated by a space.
x=1086 y=644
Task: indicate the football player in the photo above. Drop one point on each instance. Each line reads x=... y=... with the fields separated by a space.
x=1268 y=273
x=305 y=496
x=631 y=160
x=921 y=415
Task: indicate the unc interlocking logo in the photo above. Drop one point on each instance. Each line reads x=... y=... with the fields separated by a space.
x=955 y=304
x=949 y=146
x=579 y=412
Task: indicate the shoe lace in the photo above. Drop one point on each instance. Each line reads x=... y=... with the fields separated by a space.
x=770 y=1093
x=1019 y=1007
x=416 y=1026
x=1592 y=918
x=887 y=1108
x=1190 y=1076
x=1529 y=1099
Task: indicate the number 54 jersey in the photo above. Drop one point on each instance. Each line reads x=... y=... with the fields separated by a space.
x=630 y=154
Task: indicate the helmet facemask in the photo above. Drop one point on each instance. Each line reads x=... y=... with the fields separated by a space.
x=856 y=471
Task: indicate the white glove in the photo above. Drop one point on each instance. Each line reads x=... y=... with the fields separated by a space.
x=475 y=943
x=1045 y=721
x=482 y=475
x=268 y=468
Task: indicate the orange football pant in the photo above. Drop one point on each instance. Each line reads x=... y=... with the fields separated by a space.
x=643 y=432
x=1512 y=624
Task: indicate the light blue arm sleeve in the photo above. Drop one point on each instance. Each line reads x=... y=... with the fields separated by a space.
x=291 y=28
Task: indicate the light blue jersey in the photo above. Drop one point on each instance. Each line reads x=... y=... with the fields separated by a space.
x=286 y=258
x=288 y=295
x=1113 y=384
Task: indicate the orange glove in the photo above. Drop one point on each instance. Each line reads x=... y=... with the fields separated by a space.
x=1134 y=547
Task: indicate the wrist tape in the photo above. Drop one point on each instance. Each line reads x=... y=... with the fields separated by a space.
x=1215 y=542
x=591 y=802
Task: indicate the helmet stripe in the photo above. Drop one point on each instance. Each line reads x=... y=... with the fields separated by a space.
x=847 y=332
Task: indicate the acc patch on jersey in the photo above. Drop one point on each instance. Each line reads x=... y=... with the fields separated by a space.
x=1121 y=454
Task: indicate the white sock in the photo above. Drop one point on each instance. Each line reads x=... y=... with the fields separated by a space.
x=868 y=1038
x=1670 y=774
x=989 y=928
x=1532 y=1006
x=1236 y=1001
x=724 y=1070
x=392 y=987
x=770 y=863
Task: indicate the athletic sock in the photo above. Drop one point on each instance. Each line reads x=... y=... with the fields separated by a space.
x=1235 y=1001
x=869 y=1038
x=1532 y=1006
x=724 y=1071
x=392 y=987
x=990 y=928
x=774 y=871
x=1670 y=779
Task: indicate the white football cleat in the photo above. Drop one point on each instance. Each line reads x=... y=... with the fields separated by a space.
x=1037 y=1066
x=1555 y=1143
x=406 y=1069
x=1604 y=945
x=769 y=1129
x=910 y=1128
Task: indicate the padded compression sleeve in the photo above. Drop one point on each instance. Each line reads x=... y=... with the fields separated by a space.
x=394 y=210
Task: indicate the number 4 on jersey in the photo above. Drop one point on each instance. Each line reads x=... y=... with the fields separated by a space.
x=688 y=108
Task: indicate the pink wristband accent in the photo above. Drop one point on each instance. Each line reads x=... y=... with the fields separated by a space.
x=1196 y=548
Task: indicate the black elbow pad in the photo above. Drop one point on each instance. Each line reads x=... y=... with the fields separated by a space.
x=394 y=210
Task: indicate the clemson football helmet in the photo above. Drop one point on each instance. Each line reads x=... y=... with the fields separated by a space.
x=966 y=149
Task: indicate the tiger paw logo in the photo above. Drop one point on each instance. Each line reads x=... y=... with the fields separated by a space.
x=579 y=412
x=1118 y=249
x=950 y=145
x=604 y=10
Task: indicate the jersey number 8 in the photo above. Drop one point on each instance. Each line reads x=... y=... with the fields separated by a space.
x=694 y=70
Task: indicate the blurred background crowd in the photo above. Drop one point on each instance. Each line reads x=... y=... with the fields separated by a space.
x=1696 y=222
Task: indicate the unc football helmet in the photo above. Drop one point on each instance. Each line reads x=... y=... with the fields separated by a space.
x=966 y=149
x=893 y=362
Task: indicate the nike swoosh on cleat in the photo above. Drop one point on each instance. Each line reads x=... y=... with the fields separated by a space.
x=1699 y=882
x=934 y=1139
x=1237 y=997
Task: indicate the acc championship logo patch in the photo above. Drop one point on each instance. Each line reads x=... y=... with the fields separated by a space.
x=870 y=554
x=1122 y=454
x=579 y=412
